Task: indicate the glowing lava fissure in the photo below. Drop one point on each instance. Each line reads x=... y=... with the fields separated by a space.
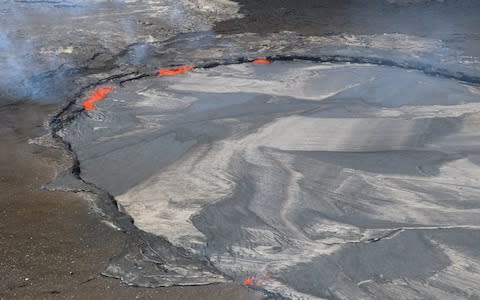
x=261 y=61
x=253 y=281
x=175 y=71
x=248 y=281
x=96 y=95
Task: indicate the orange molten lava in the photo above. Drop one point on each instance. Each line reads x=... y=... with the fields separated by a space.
x=261 y=61
x=175 y=71
x=248 y=281
x=97 y=95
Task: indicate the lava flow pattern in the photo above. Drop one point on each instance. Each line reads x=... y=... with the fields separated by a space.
x=174 y=71
x=97 y=95
x=261 y=61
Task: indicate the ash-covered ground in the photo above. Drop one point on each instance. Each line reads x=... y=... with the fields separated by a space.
x=345 y=168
